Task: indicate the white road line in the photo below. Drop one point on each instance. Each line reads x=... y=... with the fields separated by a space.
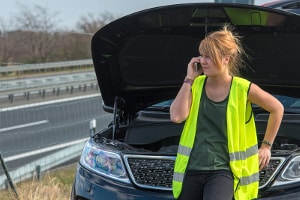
x=24 y=125
x=39 y=151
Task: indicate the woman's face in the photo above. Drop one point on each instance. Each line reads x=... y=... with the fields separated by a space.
x=210 y=68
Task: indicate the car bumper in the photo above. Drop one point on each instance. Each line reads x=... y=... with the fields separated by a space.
x=91 y=186
x=293 y=194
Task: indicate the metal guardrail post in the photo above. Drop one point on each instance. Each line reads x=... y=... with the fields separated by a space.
x=44 y=93
x=28 y=96
x=38 y=172
x=12 y=185
x=11 y=98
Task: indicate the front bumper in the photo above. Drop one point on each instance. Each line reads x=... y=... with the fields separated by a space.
x=94 y=187
x=292 y=194
x=89 y=186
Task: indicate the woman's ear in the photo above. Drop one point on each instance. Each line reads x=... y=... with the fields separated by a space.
x=226 y=60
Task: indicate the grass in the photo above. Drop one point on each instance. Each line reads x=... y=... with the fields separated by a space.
x=54 y=185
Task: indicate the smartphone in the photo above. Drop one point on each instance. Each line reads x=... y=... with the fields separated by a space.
x=197 y=66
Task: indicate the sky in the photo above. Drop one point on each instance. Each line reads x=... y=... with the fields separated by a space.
x=68 y=12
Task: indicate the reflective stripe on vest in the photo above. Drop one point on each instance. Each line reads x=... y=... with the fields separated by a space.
x=184 y=150
x=242 y=155
x=242 y=148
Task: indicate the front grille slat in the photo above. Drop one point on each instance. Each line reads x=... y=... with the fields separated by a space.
x=267 y=174
x=156 y=172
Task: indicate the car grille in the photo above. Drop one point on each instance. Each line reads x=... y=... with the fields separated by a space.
x=268 y=173
x=156 y=172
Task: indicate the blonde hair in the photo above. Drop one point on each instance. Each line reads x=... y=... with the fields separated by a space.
x=224 y=43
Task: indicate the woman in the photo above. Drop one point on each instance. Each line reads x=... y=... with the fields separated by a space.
x=218 y=155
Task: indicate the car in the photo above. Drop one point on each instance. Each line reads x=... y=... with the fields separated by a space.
x=286 y=5
x=140 y=62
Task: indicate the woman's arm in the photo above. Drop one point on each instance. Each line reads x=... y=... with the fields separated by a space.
x=180 y=108
x=275 y=108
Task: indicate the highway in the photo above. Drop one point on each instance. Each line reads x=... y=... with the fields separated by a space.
x=33 y=130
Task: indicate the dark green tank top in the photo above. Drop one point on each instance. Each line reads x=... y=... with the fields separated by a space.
x=210 y=150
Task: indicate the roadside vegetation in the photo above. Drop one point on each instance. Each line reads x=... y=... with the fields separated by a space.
x=54 y=185
x=34 y=35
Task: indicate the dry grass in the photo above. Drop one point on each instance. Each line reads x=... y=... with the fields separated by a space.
x=54 y=185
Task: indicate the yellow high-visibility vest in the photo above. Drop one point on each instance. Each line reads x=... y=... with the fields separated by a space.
x=242 y=140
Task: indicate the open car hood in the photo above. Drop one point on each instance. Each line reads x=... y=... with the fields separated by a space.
x=142 y=58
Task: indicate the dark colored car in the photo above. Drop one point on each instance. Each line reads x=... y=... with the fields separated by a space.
x=140 y=61
x=286 y=5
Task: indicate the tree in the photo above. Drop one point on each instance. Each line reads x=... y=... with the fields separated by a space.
x=79 y=42
x=39 y=29
x=7 y=44
x=73 y=46
x=36 y=38
x=90 y=23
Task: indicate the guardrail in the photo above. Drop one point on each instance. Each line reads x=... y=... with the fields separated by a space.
x=18 y=70
x=42 y=87
x=24 y=89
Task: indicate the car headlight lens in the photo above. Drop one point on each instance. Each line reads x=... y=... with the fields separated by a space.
x=290 y=174
x=292 y=171
x=103 y=162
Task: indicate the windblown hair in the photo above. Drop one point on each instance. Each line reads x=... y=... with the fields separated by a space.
x=224 y=43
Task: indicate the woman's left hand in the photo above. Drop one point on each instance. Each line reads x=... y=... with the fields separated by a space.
x=264 y=154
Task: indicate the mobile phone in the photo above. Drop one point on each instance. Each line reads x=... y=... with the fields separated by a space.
x=197 y=66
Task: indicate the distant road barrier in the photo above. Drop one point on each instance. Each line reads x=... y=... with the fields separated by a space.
x=52 y=84
x=19 y=70
x=45 y=86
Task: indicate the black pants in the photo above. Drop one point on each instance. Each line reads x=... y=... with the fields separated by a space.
x=207 y=185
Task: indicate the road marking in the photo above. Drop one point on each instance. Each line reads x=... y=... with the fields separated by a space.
x=49 y=102
x=39 y=151
x=24 y=125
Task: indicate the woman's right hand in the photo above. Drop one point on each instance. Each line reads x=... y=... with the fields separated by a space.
x=192 y=73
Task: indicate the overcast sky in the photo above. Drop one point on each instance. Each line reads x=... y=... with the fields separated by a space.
x=69 y=11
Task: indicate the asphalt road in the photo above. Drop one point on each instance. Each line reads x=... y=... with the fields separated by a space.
x=43 y=125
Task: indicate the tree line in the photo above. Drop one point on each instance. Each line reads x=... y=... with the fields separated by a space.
x=36 y=37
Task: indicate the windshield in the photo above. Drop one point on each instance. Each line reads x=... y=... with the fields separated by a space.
x=291 y=104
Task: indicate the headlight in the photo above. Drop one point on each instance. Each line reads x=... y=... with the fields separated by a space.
x=103 y=162
x=292 y=171
x=290 y=174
